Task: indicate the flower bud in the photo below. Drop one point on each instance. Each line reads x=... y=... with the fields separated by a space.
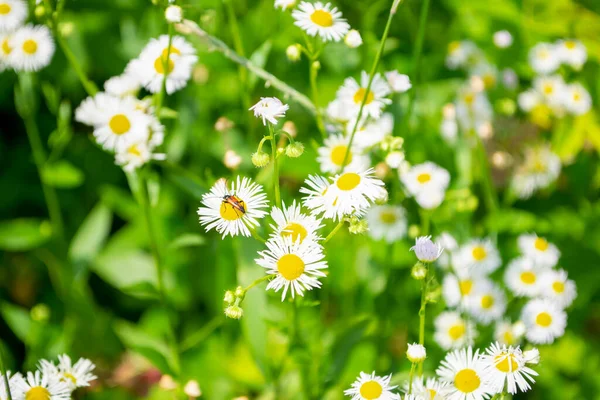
x=416 y=353
x=433 y=295
x=532 y=356
x=418 y=271
x=426 y=250
x=239 y=291
x=353 y=39
x=358 y=226
x=40 y=312
x=40 y=11
x=229 y=297
x=413 y=231
x=232 y=160
x=260 y=159
x=174 y=14
x=192 y=389
x=294 y=150
x=293 y=52
x=234 y=312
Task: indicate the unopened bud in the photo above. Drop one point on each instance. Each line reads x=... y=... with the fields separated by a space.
x=416 y=353
x=294 y=150
x=394 y=159
x=293 y=52
x=192 y=389
x=353 y=39
x=239 y=291
x=358 y=226
x=40 y=11
x=260 y=159
x=234 y=312
x=40 y=312
x=418 y=271
x=174 y=14
x=229 y=297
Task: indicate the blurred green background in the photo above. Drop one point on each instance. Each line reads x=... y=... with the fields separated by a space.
x=102 y=303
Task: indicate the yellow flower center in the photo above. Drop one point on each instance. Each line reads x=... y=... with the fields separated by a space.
x=548 y=89
x=543 y=319
x=576 y=96
x=424 y=178
x=231 y=213
x=569 y=44
x=467 y=380
x=174 y=50
x=487 y=301
x=70 y=377
x=541 y=244
x=469 y=98
x=371 y=390
x=465 y=287
x=456 y=331
x=290 y=266
x=360 y=95
x=37 y=393
x=453 y=46
x=295 y=231
x=506 y=363
x=159 y=65
x=508 y=338
x=322 y=18
x=30 y=46
x=6 y=49
x=338 y=153
x=432 y=394
x=479 y=253
x=119 y=124
x=544 y=54
x=4 y=8
x=489 y=80
x=558 y=287
x=387 y=217
x=348 y=181
x=133 y=150
x=528 y=277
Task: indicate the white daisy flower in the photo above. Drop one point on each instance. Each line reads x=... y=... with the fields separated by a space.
x=480 y=256
x=555 y=286
x=473 y=108
x=532 y=356
x=485 y=73
x=577 y=99
x=459 y=289
x=460 y=54
x=291 y=222
x=38 y=386
x=552 y=88
x=488 y=303
x=353 y=39
x=449 y=243
x=399 y=83
x=333 y=153
x=503 y=39
x=351 y=193
x=118 y=122
x=529 y=99
x=5 y=50
x=504 y=367
x=430 y=389
x=12 y=14
x=149 y=67
x=449 y=130
x=298 y=265
x=387 y=222
x=372 y=387
x=235 y=210
x=321 y=19
x=123 y=85
x=539 y=250
x=522 y=277
x=425 y=250
x=173 y=14
x=539 y=169
x=372 y=132
x=463 y=370
x=508 y=333
x=544 y=321
x=395 y=159
x=510 y=79
x=572 y=52
x=352 y=95
x=544 y=58
x=269 y=109
x=452 y=331
x=12 y=379
x=32 y=48
x=427 y=183
x=136 y=155
x=284 y=4
x=74 y=375
x=416 y=353
x=338 y=112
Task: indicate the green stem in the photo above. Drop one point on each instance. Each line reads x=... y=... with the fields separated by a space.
x=161 y=94
x=258 y=281
x=88 y=85
x=410 y=377
x=275 y=166
x=4 y=373
x=416 y=64
x=371 y=77
x=314 y=71
x=191 y=28
x=424 y=285
x=239 y=48
x=425 y=222
x=334 y=231
x=490 y=197
x=256 y=236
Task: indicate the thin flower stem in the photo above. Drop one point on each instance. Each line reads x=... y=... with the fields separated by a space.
x=238 y=44
x=275 y=166
x=258 y=281
x=490 y=197
x=410 y=377
x=191 y=28
x=4 y=373
x=256 y=236
x=334 y=231
x=314 y=71
x=88 y=85
x=416 y=64
x=163 y=89
x=424 y=286
x=371 y=77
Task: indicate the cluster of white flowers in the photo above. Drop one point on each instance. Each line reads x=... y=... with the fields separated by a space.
x=50 y=381
x=22 y=47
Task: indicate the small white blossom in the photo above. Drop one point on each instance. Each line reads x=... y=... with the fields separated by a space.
x=426 y=250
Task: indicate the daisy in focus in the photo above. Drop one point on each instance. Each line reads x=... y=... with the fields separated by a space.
x=504 y=366
x=463 y=371
x=321 y=19
x=544 y=321
x=269 y=109
x=32 y=48
x=291 y=222
x=40 y=386
x=297 y=265
x=427 y=183
x=555 y=286
x=478 y=255
x=352 y=94
x=428 y=389
x=372 y=387
x=452 y=331
x=74 y=375
x=235 y=210
x=539 y=250
x=333 y=154
x=387 y=222
x=12 y=14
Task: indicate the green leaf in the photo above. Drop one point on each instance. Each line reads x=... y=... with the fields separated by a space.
x=167 y=113
x=187 y=240
x=259 y=58
x=18 y=319
x=51 y=95
x=62 y=174
x=91 y=235
x=24 y=234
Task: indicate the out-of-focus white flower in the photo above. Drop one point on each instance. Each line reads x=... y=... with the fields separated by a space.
x=372 y=132
x=544 y=321
x=507 y=333
x=332 y=155
x=460 y=54
x=269 y=109
x=352 y=94
x=293 y=52
x=538 y=250
x=387 y=222
x=539 y=169
x=522 y=277
x=480 y=256
x=394 y=159
x=552 y=88
x=544 y=58
x=532 y=356
x=399 y=83
x=503 y=39
x=555 y=286
x=529 y=99
x=122 y=85
x=174 y=14
x=285 y=4
x=192 y=389
x=12 y=15
x=577 y=99
x=510 y=79
x=427 y=183
x=231 y=159
x=572 y=52
x=449 y=243
x=353 y=39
